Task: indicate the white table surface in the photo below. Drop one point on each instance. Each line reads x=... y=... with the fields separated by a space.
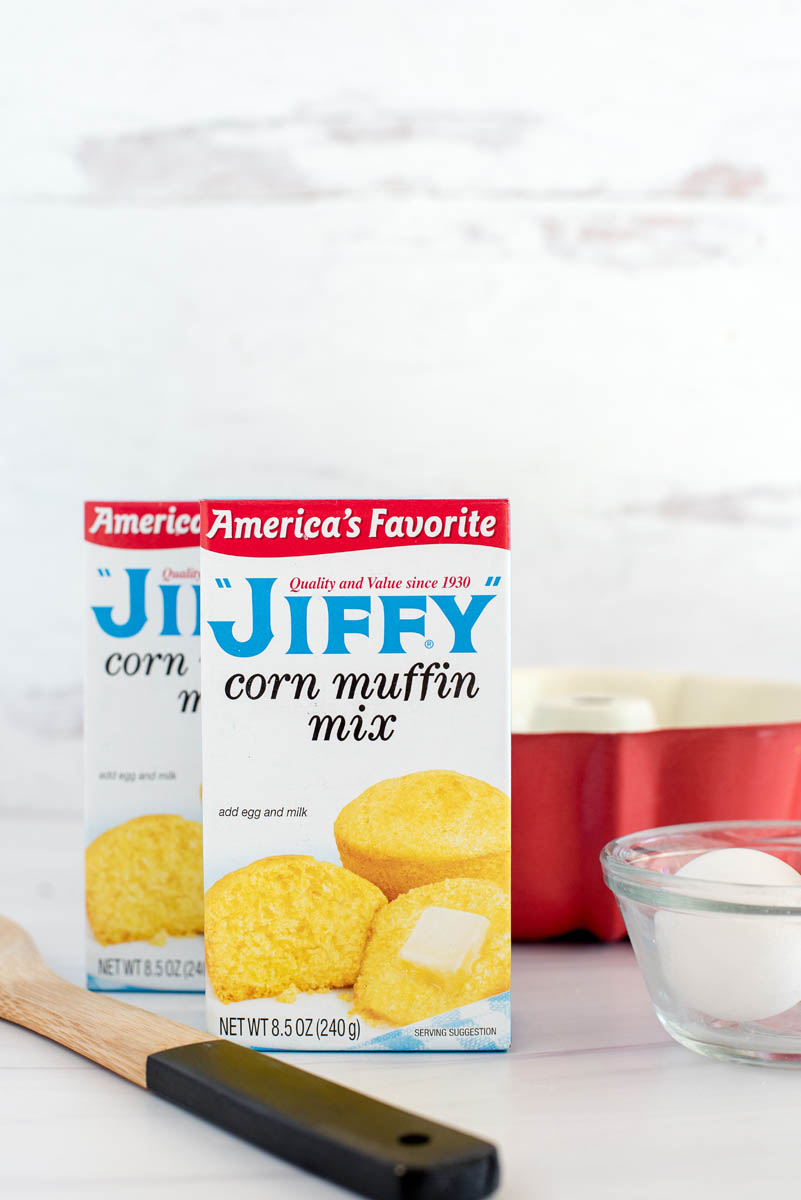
x=594 y=1099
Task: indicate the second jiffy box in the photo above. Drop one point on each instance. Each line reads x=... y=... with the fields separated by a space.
x=144 y=869
x=355 y=661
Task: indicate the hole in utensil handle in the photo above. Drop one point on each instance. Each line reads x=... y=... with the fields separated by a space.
x=372 y=1148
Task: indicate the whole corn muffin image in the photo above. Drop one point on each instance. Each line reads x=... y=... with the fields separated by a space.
x=416 y=829
x=285 y=925
x=434 y=949
x=144 y=880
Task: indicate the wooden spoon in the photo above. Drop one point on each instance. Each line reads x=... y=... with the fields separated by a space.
x=370 y=1147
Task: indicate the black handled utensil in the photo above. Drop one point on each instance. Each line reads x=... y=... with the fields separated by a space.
x=372 y=1148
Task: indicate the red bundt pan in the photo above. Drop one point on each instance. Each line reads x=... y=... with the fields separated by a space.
x=724 y=750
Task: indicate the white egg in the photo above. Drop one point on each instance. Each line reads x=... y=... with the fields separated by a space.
x=727 y=966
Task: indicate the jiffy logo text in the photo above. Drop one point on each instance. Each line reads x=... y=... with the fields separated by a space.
x=403 y=618
x=133 y=620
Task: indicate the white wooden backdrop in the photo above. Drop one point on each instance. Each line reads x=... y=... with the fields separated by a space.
x=550 y=250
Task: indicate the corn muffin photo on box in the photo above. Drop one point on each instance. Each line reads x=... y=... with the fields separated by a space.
x=144 y=853
x=356 y=823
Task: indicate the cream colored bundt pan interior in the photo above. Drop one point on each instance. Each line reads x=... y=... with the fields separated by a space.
x=678 y=701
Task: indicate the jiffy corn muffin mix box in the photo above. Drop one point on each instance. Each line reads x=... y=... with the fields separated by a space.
x=144 y=864
x=355 y=662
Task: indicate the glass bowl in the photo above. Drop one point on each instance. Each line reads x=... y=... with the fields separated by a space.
x=721 y=959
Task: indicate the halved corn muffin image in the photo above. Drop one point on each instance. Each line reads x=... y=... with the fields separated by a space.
x=434 y=949
x=287 y=924
x=416 y=829
x=144 y=880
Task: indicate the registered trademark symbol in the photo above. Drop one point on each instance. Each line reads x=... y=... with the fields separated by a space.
x=429 y=645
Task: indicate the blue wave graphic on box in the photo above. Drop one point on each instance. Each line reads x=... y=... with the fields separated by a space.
x=488 y=1018
x=95 y=984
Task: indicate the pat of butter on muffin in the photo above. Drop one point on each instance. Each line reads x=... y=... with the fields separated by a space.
x=391 y=988
x=445 y=942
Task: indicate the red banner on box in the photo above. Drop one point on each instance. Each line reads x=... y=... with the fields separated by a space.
x=283 y=528
x=143 y=524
